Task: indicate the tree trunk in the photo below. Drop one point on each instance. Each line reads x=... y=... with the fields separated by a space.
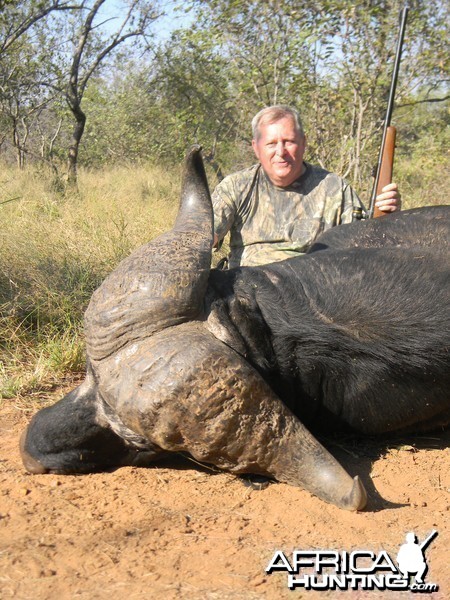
x=77 y=134
x=17 y=145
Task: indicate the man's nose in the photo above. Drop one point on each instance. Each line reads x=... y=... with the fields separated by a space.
x=280 y=148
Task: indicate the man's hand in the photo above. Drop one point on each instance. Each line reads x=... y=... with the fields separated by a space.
x=389 y=200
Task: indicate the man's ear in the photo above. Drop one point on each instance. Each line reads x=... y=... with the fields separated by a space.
x=255 y=148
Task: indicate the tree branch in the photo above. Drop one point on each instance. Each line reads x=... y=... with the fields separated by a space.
x=32 y=19
x=443 y=99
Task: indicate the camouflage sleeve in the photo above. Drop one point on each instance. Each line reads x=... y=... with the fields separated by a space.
x=224 y=207
x=350 y=201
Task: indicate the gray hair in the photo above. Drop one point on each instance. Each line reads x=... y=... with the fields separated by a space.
x=272 y=114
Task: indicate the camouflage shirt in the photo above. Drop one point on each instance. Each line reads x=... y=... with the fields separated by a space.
x=269 y=223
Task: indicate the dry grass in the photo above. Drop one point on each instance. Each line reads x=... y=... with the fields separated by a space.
x=55 y=249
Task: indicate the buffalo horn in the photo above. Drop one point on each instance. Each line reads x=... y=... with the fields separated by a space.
x=162 y=283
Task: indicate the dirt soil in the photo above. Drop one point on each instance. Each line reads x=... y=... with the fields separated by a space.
x=179 y=530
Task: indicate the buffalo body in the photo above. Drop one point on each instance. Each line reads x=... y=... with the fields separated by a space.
x=237 y=367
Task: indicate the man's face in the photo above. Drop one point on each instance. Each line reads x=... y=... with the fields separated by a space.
x=280 y=149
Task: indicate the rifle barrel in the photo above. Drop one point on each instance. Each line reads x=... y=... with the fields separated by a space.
x=390 y=106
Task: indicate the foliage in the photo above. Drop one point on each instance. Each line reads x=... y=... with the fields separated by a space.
x=330 y=58
x=421 y=164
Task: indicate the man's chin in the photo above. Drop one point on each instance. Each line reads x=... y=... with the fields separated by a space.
x=283 y=177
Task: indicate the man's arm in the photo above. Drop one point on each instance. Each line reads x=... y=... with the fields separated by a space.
x=224 y=209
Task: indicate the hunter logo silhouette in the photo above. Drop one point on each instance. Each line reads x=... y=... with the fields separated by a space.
x=411 y=556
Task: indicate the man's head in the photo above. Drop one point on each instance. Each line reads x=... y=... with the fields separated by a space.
x=279 y=143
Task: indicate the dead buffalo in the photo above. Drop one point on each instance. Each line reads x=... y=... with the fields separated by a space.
x=235 y=367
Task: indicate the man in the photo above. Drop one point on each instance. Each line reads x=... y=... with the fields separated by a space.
x=278 y=207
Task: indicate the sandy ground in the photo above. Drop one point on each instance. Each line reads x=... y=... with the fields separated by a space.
x=181 y=531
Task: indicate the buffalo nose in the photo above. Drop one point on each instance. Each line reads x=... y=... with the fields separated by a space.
x=31 y=464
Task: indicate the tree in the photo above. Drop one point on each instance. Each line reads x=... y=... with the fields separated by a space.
x=330 y=58
x=364 y=38
x=72 y=45
x=26 y=75
x=159 y=108
x=90 y=51
x=266 y=49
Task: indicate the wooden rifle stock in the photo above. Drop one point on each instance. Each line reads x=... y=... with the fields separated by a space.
x=387 y=165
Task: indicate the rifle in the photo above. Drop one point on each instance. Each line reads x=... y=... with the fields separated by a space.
x=383 y=173
x=429 y=539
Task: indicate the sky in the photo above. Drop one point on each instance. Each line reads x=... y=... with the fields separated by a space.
x=163 y=27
